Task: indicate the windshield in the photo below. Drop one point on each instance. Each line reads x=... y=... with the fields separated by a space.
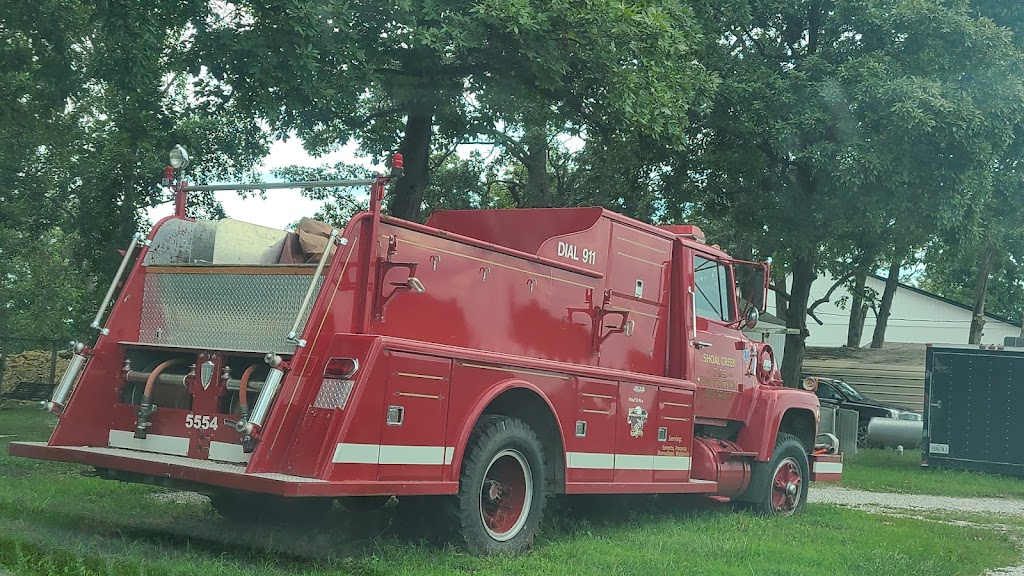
x=848 y=390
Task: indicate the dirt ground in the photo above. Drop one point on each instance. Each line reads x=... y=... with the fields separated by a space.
x=895 y=354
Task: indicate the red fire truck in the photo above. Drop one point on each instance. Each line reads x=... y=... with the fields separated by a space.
x=480 y=362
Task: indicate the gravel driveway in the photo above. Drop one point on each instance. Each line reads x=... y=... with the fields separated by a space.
x=881 y=501
x=864 y=499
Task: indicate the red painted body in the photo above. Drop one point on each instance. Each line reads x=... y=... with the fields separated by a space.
x=579 y=319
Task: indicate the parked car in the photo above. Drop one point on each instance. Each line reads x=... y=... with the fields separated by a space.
x=837 y=393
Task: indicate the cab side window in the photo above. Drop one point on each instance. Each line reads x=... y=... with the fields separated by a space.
x=828 y=392
x=712 y=289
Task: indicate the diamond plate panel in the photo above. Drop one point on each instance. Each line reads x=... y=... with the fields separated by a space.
x=333 y=394
x=223 y=311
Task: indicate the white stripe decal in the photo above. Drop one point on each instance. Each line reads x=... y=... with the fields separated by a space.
x=599 y=461
x=226 y=452
x=828 y=467
x=357 y=453
x=633 y=462
x=411 y=455
x=671 y=462
x=436 y=455
x=385 y=454
x=589 y=460
x=174 y=445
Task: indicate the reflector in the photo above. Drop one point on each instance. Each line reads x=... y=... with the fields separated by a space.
x=342 y=368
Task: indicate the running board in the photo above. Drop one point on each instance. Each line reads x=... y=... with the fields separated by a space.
x=691 y=487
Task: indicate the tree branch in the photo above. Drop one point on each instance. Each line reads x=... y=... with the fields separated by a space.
x=780 y=291
x=828 y=295
x=816 y=319
x=376 y=115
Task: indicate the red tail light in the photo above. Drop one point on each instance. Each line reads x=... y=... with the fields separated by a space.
x=341 y=368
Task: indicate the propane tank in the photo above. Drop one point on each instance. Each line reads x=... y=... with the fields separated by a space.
x=714 y=460
x=892 y=432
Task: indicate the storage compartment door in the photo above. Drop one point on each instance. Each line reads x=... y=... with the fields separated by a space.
x=636 y=433
x=675 y=435
x=590 y=457
x=415 y=413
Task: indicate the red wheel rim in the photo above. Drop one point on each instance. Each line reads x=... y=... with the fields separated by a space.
x=506 y=495
x=786 y=487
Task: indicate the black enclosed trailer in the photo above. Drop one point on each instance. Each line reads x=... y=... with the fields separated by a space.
x=973 y=402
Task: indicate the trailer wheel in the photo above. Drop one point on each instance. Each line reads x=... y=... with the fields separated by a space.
x=781 y=484
x=501 y=494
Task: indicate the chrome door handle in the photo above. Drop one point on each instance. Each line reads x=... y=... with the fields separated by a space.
x=698 y=344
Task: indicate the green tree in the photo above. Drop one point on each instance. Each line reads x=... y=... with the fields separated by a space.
x=403 y=74
x=835 y=117
x=94 y=95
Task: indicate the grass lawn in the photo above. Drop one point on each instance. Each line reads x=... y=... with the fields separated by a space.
x=53 y=520
x=881 y=470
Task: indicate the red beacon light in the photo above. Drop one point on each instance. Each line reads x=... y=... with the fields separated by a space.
x=397 y=164
x=168 y=179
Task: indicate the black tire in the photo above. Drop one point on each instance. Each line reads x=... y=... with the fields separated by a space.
x=250 y=508
x=779 y=487
x=862 y=434
x=363 y=504
x=232 y=506
x=423 y=518
x=501 y=497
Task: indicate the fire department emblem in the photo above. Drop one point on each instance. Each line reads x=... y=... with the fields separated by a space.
x=206 y=374
x=637 y=417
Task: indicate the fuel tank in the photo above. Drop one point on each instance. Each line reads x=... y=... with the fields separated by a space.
x=723 y=462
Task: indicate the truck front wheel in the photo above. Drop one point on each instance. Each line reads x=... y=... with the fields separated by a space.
x=501 y=489
x=779 y=487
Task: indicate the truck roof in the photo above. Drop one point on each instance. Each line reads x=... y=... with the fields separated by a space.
x=527 y=229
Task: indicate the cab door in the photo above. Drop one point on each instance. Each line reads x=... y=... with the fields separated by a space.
x=720 y=356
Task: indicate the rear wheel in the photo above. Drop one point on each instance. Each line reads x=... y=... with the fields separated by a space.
x=501 y=489
x=779 y=487
x=363 y=504
x=247 y=507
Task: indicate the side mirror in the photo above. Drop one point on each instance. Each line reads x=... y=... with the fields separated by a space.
x=751 y=318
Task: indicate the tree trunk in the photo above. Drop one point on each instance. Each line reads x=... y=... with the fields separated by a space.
x=407 y=198
x=980 y=291
x=796 y=317
x=538 y=186
x=858 y=310
x=781 y=304
x=885 y=306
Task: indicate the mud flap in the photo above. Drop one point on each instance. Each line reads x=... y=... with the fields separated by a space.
x=826 y=467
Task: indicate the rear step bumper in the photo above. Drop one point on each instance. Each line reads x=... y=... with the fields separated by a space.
x=163 y=466
x=162 y=469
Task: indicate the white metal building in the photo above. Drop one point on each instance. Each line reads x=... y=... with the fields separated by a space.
x=917 y=317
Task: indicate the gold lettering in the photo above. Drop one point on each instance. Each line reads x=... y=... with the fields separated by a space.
x=719 y=360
